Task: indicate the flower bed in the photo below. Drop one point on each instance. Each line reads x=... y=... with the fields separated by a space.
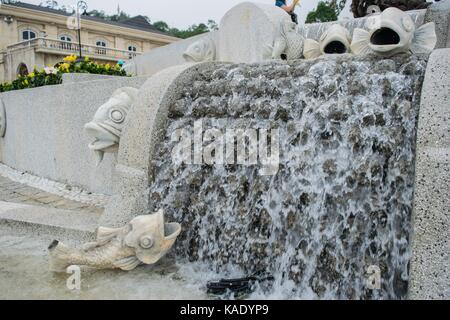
x=53 y=75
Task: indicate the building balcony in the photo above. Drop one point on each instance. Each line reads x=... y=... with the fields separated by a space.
x=64 y=48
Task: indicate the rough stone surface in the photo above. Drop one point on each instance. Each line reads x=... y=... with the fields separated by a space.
x=430 y=267
x=45 y=132
x=439 y=13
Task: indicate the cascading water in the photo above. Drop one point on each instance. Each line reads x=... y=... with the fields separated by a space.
x=341 y=201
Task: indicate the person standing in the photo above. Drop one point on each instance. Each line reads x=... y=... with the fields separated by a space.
x=288 y=8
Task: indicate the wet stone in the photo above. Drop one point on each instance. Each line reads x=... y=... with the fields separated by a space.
x=347 y=140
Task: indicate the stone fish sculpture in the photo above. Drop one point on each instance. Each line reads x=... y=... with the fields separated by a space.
x=145 y=240
x=289 y=42
x=335 y=40
x=203 y=50
x=392 y=32
x=106 y=127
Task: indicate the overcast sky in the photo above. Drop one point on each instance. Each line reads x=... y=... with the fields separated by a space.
x=177 y=13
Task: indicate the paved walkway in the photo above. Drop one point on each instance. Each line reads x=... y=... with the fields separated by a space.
x=15 y=192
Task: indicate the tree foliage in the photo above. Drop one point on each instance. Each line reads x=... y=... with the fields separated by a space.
x=118 y=17
x=326 y=11
x=191 y=31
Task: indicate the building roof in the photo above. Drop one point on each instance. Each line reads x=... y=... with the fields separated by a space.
x=138 y=22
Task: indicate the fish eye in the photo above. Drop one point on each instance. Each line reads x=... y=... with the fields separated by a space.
x=407 y=24
x=146 y=242
x=116 y=115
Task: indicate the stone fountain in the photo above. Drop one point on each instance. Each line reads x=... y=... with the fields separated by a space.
x=343 y=130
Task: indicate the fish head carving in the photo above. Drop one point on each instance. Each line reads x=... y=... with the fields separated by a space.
x=336 y=40
x=107 y=124
x=201 y=50
x=391 y=31
x=151 y=237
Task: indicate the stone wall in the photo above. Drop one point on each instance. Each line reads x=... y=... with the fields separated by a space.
x=45 y=135
x=430 y=267
x=439 y=13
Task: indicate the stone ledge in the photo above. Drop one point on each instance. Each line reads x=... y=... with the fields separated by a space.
x=36 y=220
x=434 y=121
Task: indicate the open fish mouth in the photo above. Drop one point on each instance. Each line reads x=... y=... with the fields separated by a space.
x=385 y=37
x=335 y=47
x=105 y=139
x=190 y=57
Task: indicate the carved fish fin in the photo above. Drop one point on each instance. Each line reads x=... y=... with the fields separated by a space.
x=127 y=264
x=311 y=49
x=425 y=39
x=104 y=235
x=59 y=256
x=360 y=42
x=279 y=48
x=89 y=246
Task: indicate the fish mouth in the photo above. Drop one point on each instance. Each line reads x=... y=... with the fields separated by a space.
x=335 y=47
x=189 y=58
x=105 y=138
x=385 y=39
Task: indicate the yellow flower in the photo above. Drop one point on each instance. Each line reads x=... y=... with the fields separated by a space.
x=31 y=75
x=107 y=66
x=25 y=82
x=64 y=67
x=86 y=59
x=70 y=59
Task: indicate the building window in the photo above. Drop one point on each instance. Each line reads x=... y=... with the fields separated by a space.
x=66 y=44
x=132 y=49
x=28 y=35
x=101 y=43
x=65 y=38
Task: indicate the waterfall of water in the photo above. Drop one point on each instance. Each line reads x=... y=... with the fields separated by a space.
x=339 y=206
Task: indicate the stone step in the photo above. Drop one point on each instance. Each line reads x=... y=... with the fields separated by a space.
x=13 y=191
x=64 y=225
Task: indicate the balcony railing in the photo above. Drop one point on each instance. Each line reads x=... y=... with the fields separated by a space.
x=67 y=48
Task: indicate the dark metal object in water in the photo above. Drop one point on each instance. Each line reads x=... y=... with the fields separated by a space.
x=240 y=286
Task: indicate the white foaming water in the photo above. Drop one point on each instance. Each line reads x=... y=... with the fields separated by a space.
x=341 y=201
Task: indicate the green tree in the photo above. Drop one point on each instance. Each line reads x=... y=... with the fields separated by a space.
x=326 y=11
x=122 y=16
x=212 y=25
x=162 y=26
x=191 y=31
x=99 y=14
